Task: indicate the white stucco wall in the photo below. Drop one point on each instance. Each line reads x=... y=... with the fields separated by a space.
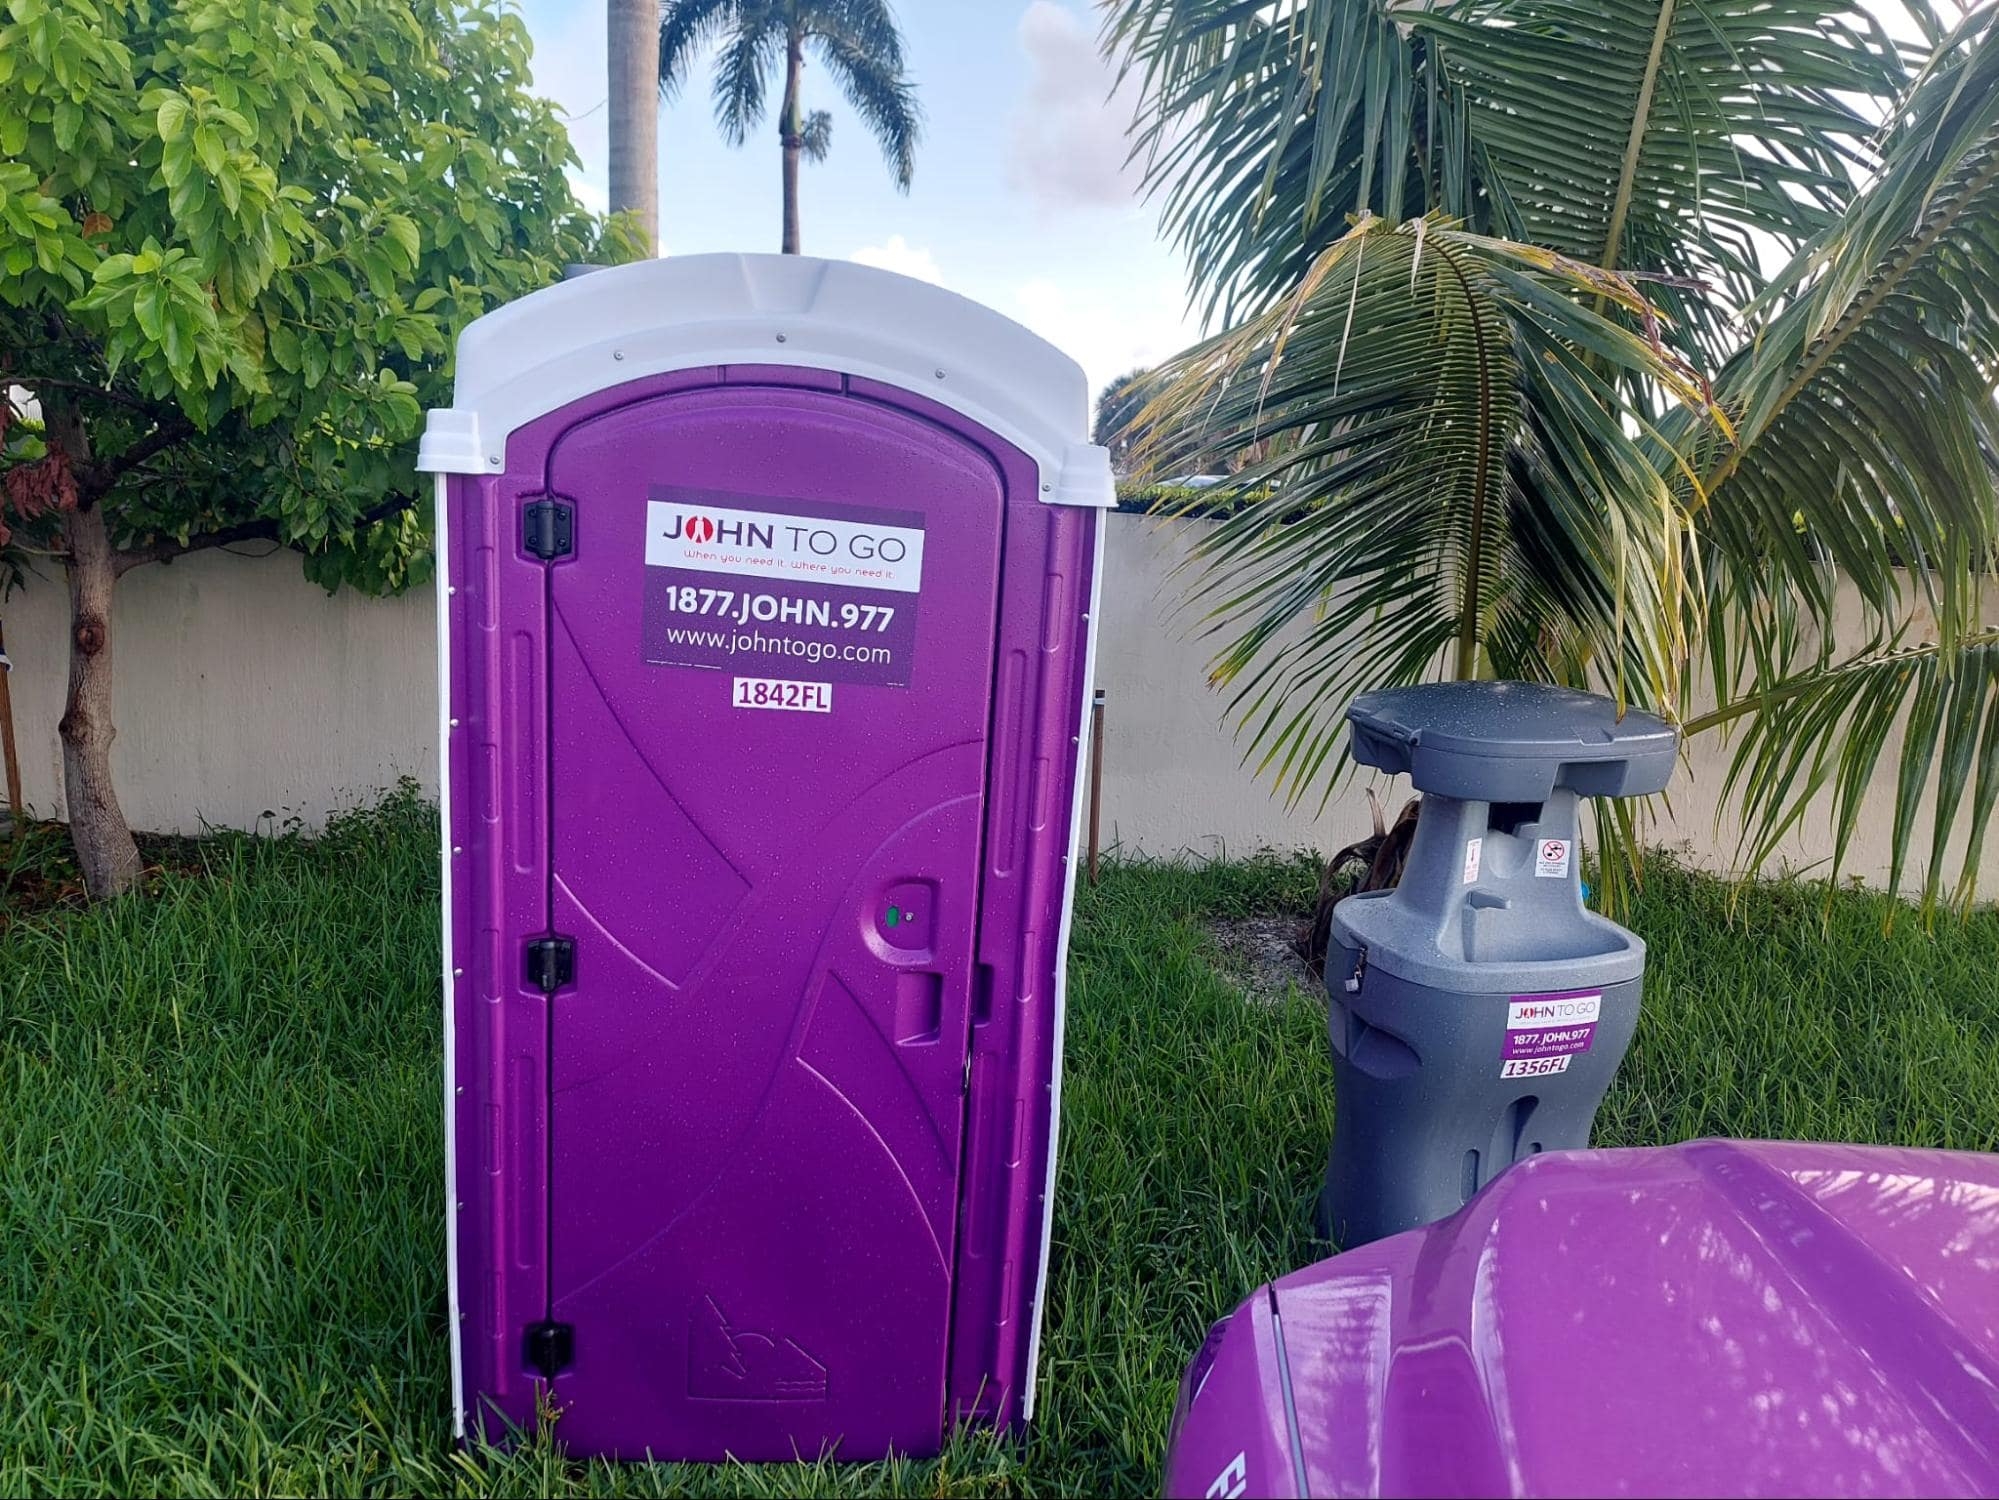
x=241 y=693
x=245 y=694
x=1174 y=779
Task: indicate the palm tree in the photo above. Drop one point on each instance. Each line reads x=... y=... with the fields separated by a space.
x=1647 y=346
x=632 y=30
x=857 y=41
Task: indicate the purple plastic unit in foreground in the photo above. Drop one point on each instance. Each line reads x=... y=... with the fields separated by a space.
x=767 y=613
x=1717 y=1318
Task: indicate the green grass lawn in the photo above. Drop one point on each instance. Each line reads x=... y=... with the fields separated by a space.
x=221 y=1260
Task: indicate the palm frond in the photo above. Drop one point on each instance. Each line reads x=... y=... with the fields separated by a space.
x=1865 y=474
x=857 y=39
x=867 y=26
x=1266 y=129
x=686 y=27
x=816 y=139
x=1868 y=428
x=1468 y=459
x=1449 y=484
x=1671 y=137
x=880 y=92
x=1826 y=732
x=752 y=51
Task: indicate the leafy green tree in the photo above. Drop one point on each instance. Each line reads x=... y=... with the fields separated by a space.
x=1610 y=345
x=1115 y=424
x=856 y=40
x=239 y=238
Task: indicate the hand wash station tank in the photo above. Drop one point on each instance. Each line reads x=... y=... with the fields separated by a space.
x=1478 y=1011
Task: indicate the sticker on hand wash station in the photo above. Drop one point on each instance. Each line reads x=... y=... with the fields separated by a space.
x=781 y=589
x=1544 y=1031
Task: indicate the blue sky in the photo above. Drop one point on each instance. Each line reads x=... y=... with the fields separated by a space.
x=1021 y=198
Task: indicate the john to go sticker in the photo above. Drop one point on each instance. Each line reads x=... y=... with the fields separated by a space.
x=1543 y=1032
x=1551 y=859
x=769 y=590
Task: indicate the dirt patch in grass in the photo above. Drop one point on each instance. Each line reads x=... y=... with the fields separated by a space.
x=1260 y=954
x=38 y=870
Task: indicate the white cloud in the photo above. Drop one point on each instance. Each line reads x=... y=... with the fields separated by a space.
x=1068 y=143
x=905 y=259
x=1108 y=330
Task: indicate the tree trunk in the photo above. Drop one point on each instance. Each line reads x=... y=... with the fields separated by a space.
x=97 y=826
x=632 y=48
x=16 y=814
x=791 y=131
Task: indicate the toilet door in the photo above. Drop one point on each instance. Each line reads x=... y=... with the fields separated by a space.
x=771 y=653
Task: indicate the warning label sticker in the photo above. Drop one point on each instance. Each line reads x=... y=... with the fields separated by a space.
x=759 y=587
x=1544 y=1031
x=1472 y=848
x=1551 y=859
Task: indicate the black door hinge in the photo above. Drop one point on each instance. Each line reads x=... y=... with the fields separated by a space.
x=548 y=529
x=551 y=963
x=549 y=1348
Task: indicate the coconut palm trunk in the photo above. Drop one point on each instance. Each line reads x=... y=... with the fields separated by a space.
x=791 y=131
x=632 y=48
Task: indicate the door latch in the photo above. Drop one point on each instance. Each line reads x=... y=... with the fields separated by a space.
x=551 y=963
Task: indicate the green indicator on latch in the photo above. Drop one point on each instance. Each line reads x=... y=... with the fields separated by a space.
x=894 y=916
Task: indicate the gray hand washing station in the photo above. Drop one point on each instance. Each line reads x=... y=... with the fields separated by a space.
x=1478 y=1010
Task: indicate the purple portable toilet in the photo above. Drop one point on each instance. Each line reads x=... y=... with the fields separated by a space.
x=765 y=616
x=1716 y=1318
